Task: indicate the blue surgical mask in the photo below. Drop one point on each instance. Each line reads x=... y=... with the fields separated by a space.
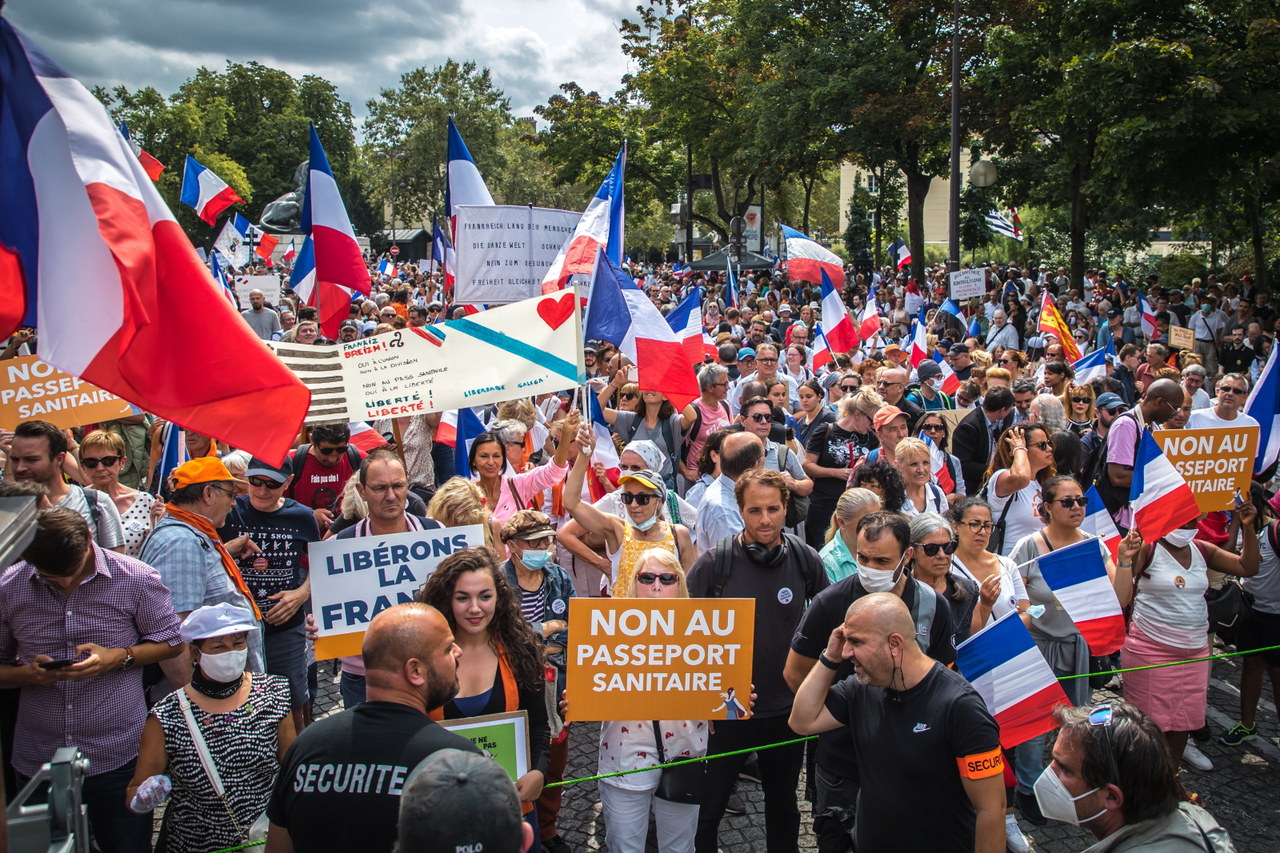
x=535 y=560
x=646 y=524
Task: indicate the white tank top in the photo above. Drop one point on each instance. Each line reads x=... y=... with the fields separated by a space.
x=1170 y=606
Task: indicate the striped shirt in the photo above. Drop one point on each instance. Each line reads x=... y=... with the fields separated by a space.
x=121 y=604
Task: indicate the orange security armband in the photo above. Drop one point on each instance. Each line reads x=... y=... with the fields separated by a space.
x=981 y=765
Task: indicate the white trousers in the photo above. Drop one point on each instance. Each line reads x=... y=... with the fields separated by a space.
x=626 y=815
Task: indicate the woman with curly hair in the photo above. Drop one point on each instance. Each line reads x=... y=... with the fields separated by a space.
x=502 y=667
x=1014 y=361
x=884 y=480
x=1023 y=461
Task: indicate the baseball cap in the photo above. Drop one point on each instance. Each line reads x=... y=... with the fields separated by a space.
x=263 y=468
x=1110 y=401
x=205 y=469
x=958 y=349
x=928 y=369
x=646 y=478
x=350 y=324
x=455 y=800
x=746 y=352
x=830 y=379
x=527 y=524
x=886 y=414
x=945 y=343
x=217 y=620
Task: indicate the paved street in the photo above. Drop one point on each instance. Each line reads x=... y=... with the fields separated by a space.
x=1243 y=790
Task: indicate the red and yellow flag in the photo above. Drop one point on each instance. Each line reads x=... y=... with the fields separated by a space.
x=1051 y=322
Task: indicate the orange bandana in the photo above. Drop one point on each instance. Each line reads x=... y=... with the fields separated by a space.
x=205 y=526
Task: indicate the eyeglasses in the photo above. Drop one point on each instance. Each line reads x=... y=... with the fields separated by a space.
x=264 y=483
x=629 y=396
x=1041 y=445
x=1006 y=361
x=766 y=360
x=933 y=428
x=931 y=549
x=231 y=491
x=629 y=498
x=1081 y=400
x=330 y=451
x=1104 y=717
x=667 y=578
x=979 y=526
x=433 y=310
x=848 y=389
x=106 y=461
x=883 y=384
x=1227 y=389
x=383 y=488
x=1068 y=503
x=759 y=417
x=630 y=467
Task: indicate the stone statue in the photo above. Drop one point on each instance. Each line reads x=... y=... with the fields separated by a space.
x=284 y=215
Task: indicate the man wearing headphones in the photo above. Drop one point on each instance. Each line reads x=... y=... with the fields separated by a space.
x=781 y=573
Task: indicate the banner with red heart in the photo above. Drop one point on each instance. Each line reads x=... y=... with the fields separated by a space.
x=554 y=311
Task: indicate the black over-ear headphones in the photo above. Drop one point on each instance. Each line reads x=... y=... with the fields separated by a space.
x=771 y=557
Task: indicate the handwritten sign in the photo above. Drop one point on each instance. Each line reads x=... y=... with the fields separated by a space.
x=1181 y=337
x=966 y=284
x=34 y=390
x=353 y=580
x=502 y=737
x=1216 y=463
x=503 y=251
x=660 y=658
x=530 y=347
x=268 y=284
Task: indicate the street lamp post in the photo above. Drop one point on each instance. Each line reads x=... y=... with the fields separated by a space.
x=953 y=243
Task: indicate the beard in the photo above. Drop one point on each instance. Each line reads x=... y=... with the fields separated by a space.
x=441 y=687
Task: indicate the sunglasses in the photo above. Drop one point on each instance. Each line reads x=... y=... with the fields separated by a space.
x=629 y=396
x=848 y=389
x=1104 y=718
x=759 y=417
x=1068 y=503
x=264 y=483
x=330 y=451
x=647 y=578
x=643 y=499
x=1081 y=400
x=933 y=428
x=1042 y=445
x=1227 y=389
x=106 y=461
x=631 y=467
x=931 y=549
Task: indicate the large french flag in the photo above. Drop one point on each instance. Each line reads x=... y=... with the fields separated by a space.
x=90 y=254
x=807 y=260
x=599 y=230
x=1003 y=664
x=1264 y=406
x=1078 y=577
x=337 y=254
x=838 y=325
x=950 y=382
x=686 y=321
x=1098 y=522
x=1160 y=497
x=1094 y=364
x=1148 y=315
x=919 y=343
x=468 y=427
x=204 y=191
x=442 y=253
x=900 y=253
x=150 y=165
x=938 y=466
x=605 y=453
x=821 y=355
x=869 y=319
x=331 y=301
x=463 y=183
x=619 y=312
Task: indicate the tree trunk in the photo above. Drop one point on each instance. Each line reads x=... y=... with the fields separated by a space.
x=808 y=198
x=1253 y=213
x=917 y=192
x=876 y=226
x=1079 y=223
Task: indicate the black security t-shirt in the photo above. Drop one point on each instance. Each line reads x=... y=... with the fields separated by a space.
x=835 y=751
x=913 y=748
x=283 y=536
x=340 y=784
x=780 y=593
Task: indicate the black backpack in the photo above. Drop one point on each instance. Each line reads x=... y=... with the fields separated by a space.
x=1095 y=472
x=810 y=564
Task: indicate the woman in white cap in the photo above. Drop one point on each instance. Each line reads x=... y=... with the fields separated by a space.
x=215 y=744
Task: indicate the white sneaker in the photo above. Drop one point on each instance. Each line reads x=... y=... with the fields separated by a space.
x=1013 y=837
x=1197 y=759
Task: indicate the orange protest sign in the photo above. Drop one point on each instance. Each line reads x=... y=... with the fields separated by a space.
x=660 y=658
x=1216 y=463
x=33 y=390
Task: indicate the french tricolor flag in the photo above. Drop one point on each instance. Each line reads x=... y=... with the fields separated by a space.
x=223 y=280
x=331 y=301
x=950 y=307
x=919 y=344
x=621 y=313
x=821 y=355
x=950 y=382
x=204 y=191
x=1094 y=364
x=1148 y=315
x=365 y=437
x=463 y=182
x=1160 y=498
x=869 y=320
x=730 y=284
x=1264 y=406
x=686 y=321
x=938 y=465
x=1011 y=675
x=324 y=217
x=150 y=165
x=1078 y=577
x=467 y=427
x=807 y=260
x=841 y=336
x=606 y=453
x=1098 y=522
x=386 y=268
x=599 y=230
x=91 y=255
x=900 y=252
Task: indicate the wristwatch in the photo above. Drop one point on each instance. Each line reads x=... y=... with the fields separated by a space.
x=826 y=661
x=128 y=658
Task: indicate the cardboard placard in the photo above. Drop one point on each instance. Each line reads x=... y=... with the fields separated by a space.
x=268 y=284
x=660 y=658
x=502 y=737
x=35 y=390
x=353 y=580
x=1216 y=463
x=1181 y=337
x=503 y=251
x=530 y=347
x=966 y=284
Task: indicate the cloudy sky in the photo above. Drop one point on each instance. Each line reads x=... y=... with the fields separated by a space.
x=531 y=46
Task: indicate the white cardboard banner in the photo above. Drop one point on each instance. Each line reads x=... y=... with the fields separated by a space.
x=268 y=284
x=966 y=284
x=529 y=347
x=503 y=251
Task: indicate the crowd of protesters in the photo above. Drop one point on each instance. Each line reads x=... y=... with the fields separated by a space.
x=158 y=619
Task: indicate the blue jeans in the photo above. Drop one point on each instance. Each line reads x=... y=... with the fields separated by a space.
x=352 y=689
x=1028 y=761
x=116 y=829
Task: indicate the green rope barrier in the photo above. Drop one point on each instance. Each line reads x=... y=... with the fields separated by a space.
x=1170 y=663
x=241 y=847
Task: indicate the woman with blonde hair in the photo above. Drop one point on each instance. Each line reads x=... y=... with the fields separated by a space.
x=102 y=459
x=842 y=532
x=1078 y=402
x=915 y=463
x=459 y=502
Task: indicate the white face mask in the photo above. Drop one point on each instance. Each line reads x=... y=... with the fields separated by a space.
x=935 y=384
x=1056 y=802
x=1180 y=538
x=224 y=666
x=881 y=580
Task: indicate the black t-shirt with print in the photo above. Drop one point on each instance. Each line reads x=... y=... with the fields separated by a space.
x=832 y=446
x=283 y=536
